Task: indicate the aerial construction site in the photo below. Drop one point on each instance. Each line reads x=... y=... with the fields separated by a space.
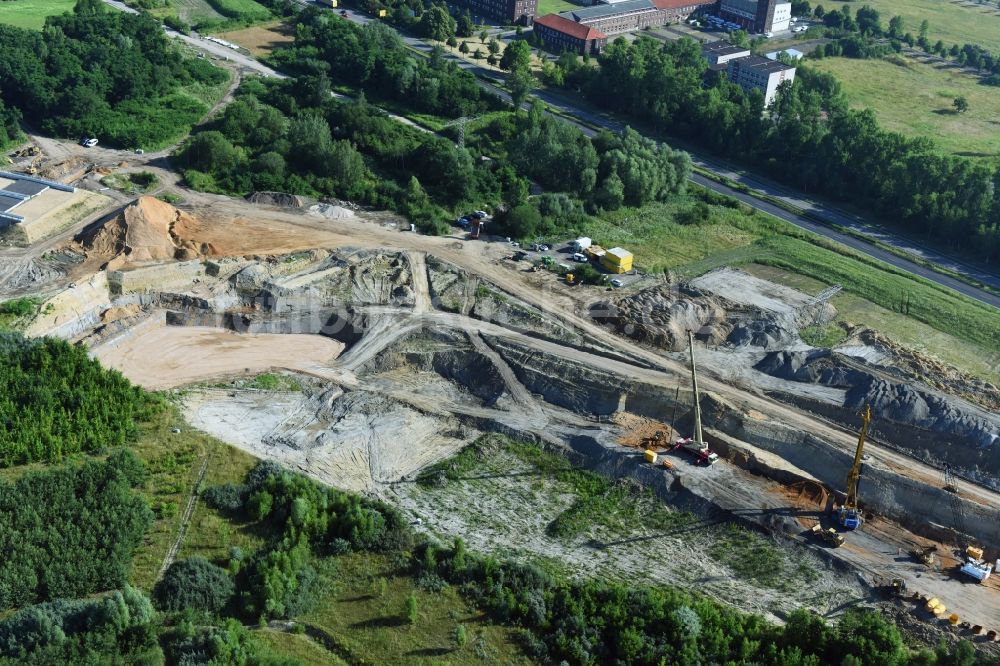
x=875 y=476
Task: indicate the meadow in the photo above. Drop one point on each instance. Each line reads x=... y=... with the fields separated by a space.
x=915 y=99
x=31 y=14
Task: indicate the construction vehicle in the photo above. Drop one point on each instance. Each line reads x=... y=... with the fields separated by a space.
x=696 y=446
x=849 y=514
x=570 y=278
x=926 y=554
x=975 y=566
x=829 y=536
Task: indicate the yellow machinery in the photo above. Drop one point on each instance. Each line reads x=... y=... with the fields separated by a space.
x=850 y=515
x=570 y=278
x=829 y=536
x=617 y=260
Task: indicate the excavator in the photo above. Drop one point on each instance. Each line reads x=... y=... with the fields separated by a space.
x=849 y=514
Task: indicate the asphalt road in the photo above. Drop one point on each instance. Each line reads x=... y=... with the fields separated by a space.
x=816 y=209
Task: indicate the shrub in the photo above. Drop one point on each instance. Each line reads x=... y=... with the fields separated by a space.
x=227 y=497
x=194 y=583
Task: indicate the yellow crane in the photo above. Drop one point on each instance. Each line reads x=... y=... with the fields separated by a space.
x=850 y=515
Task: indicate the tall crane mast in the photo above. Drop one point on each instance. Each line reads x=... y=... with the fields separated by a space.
x=698 y=438
x=850 y=515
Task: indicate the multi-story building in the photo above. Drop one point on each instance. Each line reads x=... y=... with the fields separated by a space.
x=757 y=72
x=757 y=15
x=720 y=53
x=613 y=17
x=513 y=12
x=559 y=34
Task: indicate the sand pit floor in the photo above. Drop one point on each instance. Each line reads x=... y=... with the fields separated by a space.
x=171 y=356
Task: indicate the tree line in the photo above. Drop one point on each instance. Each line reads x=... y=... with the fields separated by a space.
x=105 y=73
x=863 y=36
x=810 y=139
x=10 y=124
x=56 y=401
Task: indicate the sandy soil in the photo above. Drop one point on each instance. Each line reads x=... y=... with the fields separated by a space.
x=171 y=356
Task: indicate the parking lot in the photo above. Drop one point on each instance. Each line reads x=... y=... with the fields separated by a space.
x=562 y=260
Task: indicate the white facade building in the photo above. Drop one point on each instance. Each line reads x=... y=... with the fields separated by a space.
x=760 y=73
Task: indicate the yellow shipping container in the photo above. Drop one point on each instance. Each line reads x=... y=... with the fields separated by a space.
x=617 y=260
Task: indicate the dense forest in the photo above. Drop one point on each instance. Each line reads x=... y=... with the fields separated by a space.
x=70 y=531
x=104 y=73
x=809 y=139
x=55 y=401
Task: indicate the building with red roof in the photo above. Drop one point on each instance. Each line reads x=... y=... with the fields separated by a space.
x=559 y=34
x=586 y=29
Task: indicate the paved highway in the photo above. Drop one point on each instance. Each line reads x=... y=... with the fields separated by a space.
x=590 y=118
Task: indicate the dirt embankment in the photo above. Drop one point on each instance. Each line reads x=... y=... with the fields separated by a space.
x=921 y=420
x=726 y=306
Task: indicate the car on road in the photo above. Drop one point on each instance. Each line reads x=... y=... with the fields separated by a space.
x=615 y=282
x=88 y=142
x=579 y=257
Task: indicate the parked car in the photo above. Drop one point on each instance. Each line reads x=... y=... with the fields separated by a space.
x=88 y=142
x=482 y=214
x=615 y=282
x=579 y=257
x=544 y=248
x=462 y=221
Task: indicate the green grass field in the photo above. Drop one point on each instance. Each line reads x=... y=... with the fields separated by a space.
x=298 y=646
x=173 y=461
x=554 y=6
x=951 y=21
x=31 y=14
x=362 y=608
x=916 y=100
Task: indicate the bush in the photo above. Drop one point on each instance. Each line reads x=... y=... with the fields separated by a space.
x=194 y=583
x=228 y=497
x=113 y=629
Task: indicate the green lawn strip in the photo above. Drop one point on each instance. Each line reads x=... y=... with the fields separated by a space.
x=554 y=6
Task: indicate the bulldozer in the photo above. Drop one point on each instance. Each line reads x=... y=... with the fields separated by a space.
x=829 y=536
